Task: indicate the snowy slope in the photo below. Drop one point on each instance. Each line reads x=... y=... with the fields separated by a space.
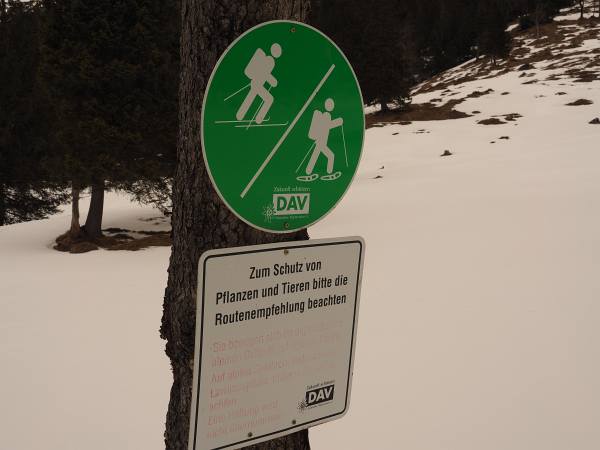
x=479 y=324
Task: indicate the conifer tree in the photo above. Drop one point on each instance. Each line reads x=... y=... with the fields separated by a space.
x=111 y=68
x=493 y=40
x=28 y=188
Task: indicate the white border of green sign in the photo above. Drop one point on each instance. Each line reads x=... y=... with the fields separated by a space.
x=281 y=226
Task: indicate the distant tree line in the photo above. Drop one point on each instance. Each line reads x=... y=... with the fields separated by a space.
x=88 y=88
x=395 y=44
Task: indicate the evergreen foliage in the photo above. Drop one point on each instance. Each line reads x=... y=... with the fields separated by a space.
x=111 y=69
x=28 y=186
x=375 y=36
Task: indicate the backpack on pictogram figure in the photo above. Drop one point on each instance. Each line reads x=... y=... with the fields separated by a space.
x=255 y=67
x=316 y=125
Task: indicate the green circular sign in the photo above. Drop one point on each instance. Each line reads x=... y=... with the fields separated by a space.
x=282 y=126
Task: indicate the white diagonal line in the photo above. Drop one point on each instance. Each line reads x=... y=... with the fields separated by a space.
x=237 y=92
x=345 y=151
x=302 y=162
x=262 y=125
x=287 y=131
x=238 y=121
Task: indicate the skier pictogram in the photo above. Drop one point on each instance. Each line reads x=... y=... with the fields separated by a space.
x=259 y=70
x=320 y=128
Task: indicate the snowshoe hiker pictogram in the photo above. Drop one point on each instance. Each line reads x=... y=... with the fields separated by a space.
x=320 y=128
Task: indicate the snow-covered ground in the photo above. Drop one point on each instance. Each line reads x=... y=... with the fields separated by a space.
x=82 y=365
x=480 y=314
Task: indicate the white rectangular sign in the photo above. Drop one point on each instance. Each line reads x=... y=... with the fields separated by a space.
x=275 y=339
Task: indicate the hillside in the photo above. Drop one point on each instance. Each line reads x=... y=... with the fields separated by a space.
x=559 y=59
x=479 y=315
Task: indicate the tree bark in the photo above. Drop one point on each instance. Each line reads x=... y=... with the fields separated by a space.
x=3 y=218
x=93 y=222
x=200 y=220
x=75 y=228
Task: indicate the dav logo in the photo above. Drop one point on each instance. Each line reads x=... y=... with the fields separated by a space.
x=288 y=204
x=319 y=395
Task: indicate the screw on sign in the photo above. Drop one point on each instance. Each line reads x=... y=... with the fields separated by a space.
x=282 y=126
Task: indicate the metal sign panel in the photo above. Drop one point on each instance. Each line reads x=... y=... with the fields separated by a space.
x=282 y=126
x=275 y=339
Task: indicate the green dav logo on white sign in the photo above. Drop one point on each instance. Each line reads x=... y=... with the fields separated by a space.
x=291 y=204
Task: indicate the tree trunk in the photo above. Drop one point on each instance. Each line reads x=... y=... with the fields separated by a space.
x=200 y=220
x=75 y=228
x=3 y=218
x=93 y=222
x=384 y=106
x=581 y=8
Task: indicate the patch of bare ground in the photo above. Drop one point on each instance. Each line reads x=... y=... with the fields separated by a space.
x=491 y=121
x=117 y=239
x=583 y=76
x=511 y=117
x=477 y=94
x=74 y=243
x=416 y=113
x=424 y=111
x=156 y=239
x=500 y=119
x=580 y=102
